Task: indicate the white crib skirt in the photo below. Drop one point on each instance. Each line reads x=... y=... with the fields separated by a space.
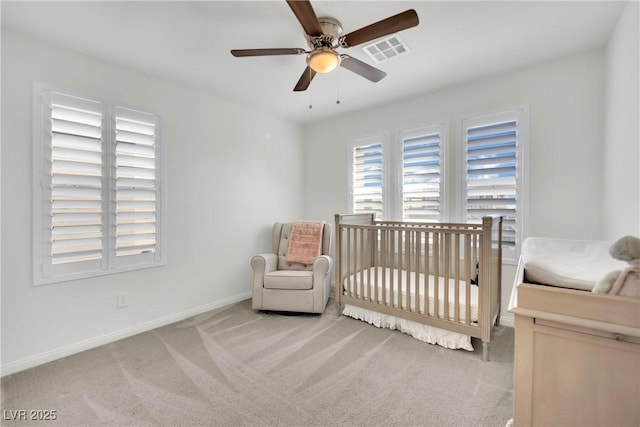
x=422 y=332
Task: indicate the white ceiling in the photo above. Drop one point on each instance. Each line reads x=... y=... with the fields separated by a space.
x=189 y=42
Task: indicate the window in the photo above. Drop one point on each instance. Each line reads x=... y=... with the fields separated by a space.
x=415 y=179
x=493 y=172
x=97 y=198
x=405 y=179
x=421 y=174
x=367 y=176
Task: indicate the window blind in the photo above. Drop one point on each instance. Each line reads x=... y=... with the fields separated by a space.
x=97 y=203
x=492 y=174
x=368 y=178
x=76 y=168
x=421 y=180
x=135 y=182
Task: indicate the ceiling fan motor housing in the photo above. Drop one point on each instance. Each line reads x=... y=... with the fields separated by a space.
x=331 y=29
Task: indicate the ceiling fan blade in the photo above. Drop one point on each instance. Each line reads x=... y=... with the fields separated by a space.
x=305 y=80
x=306 y=16
x=362 y=68
x=393 y=24
x=266 y=52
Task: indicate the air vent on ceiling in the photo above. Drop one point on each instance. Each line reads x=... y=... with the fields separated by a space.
x=386 y=48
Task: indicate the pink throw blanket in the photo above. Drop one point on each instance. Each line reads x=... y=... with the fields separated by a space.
x=305 y=242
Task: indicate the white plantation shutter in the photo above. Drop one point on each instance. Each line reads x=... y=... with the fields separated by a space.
x=96 y=203
x=74 y=202
x=136 y=183
x=405 y=179
x=367 y=177
x=493 y=172
x=421 y=174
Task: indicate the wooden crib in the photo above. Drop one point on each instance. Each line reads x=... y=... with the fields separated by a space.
x=446 y=275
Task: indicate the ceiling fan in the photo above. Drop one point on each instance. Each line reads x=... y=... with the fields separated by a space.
x=324 y=36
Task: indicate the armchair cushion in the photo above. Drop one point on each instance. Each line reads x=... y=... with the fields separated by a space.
x=289 y=279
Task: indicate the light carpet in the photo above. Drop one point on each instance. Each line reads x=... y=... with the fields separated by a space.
x=237 y=367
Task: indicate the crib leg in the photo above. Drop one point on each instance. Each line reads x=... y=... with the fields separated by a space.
x=485 y=351
x=339 y=306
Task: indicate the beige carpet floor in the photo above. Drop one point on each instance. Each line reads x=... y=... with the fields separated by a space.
x=237 y=367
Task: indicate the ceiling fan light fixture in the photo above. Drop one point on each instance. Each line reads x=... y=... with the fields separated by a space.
x=323 y=60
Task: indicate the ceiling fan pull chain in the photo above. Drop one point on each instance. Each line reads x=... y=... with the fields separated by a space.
x=338 y=87
x=309 y=91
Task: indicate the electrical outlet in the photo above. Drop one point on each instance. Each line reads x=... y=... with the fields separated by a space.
x=122 y=300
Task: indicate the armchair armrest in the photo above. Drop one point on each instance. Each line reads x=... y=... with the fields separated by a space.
x=322 y=265
x=264 y=263
x=321 y=282
x=261 y=264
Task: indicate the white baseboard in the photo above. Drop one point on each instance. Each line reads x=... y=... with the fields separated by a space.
x=506 y=319
x=49 y=356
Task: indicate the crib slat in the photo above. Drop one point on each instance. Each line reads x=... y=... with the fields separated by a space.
x=417 y=251
x=339 y=269
x=436 y=275
x=383 y=263
x=392 y=244
x=427 y=270
x=366 y=264
x=399 y=267
x=456 y=279
x=373 y=244
x=397 y=273
x=472 y=268
x=356 y=266
x=354 y=258
x=361 y=265
x=446 y=274
x=398 y=270
x=350 y=268
x=407 y=257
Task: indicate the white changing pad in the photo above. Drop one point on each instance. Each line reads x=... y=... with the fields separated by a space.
x=574 y=264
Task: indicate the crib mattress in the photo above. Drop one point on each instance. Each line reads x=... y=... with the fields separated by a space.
x=573 y=264
x=375 y=276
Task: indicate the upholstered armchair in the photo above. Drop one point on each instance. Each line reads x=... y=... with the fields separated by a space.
x=280 y=284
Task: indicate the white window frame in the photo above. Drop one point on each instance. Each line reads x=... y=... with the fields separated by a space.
x=521 y=115
x=44 y=270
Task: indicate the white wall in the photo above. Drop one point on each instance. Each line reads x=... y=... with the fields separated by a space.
x=621 y=204
x=213 y=232
x=215 y=151
x=565 y=101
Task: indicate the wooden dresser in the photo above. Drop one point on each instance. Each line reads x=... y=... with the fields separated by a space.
x=577 y=358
